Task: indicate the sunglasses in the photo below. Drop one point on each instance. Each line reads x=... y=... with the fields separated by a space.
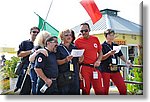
x=68 y=35
x=35 y=32
x=86 y=30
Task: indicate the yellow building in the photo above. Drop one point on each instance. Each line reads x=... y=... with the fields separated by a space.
x=8 y=52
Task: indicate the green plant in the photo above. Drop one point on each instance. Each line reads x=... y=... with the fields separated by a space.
x=136 y=74
x=9 y=68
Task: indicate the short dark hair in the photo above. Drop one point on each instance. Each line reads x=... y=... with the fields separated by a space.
x=85 y=24
x=34 y=28
x=108 y=31
x=49 y=39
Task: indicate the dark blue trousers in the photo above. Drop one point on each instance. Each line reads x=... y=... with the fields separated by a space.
x=34 y=78
x=52 y=90
x=72 y=88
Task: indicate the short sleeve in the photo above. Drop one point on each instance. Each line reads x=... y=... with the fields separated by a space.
x=40 y=61
x=21 y=47
x=120 y=53
x=99 y=45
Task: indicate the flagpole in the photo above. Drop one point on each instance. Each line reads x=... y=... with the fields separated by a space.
x=47 y=15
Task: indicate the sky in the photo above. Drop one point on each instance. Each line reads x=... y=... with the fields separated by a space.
x=17 y=16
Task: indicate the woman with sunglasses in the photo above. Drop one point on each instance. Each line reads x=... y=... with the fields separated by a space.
x=108 y=66
x=68 y=77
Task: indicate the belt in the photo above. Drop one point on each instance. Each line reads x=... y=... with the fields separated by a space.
x=89 y=65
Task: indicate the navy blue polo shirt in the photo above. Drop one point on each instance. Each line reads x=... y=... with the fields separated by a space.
x=61 y=54
x=47 y=64
x=25 y=46
x=104 y=66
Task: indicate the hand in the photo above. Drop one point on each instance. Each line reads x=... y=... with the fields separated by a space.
x=81 y=59
x=112 y=52
x=48 y=82
x=68 y=58
x=129 y=64
x=80 y=76
x=97 y=63
x=43 y=51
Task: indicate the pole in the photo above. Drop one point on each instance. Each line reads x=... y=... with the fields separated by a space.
x=47 y=15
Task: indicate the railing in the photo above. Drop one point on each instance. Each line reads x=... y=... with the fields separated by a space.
x=125 y=73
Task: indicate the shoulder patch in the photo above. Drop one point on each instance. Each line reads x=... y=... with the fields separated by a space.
x=40 y=59
x=95 y=45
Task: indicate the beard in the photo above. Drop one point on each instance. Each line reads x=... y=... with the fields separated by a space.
x=55 y=49
x=85 y=35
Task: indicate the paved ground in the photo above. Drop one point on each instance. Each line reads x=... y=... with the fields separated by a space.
x=112 y=91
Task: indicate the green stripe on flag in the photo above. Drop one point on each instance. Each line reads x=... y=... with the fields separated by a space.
x=47 y=27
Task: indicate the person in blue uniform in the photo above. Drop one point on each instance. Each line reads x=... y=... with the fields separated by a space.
x=108 y=66
x=25 y=49
x=67 y=64
x=47 y=69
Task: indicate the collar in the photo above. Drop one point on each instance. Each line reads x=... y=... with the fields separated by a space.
x=109 y=44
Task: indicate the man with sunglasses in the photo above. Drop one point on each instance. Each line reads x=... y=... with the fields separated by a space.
x=25 y=49
x=92 y=59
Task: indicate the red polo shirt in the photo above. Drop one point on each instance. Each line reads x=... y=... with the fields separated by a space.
x=91 y=45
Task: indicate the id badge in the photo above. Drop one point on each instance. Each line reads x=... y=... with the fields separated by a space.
x=95 y=75
x=113 y=60
x=71 y=67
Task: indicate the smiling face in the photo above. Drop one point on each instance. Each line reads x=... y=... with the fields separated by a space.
x=84 y=30
x=52 y=43
x=67 y=36
x=34 y=33
x=110 y=37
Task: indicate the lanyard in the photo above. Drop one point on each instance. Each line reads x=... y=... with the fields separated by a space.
x=110 y=49
x=66 y=51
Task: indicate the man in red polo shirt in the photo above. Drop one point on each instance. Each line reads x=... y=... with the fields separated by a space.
x=92 y=59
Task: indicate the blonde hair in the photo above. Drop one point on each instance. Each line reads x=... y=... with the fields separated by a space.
x=61 y=34
x=41 y=37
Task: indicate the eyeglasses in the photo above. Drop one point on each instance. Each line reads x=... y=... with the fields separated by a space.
x=67 y=34
x=86 y=30
x=35 y=32
x=54 y=41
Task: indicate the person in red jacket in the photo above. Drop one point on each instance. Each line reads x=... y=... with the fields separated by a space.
x=92 y=59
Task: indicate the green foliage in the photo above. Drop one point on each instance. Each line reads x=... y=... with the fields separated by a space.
x=9 y=68
x=136 y=74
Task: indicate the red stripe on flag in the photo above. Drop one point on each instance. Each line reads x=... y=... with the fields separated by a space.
x=92 y=10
